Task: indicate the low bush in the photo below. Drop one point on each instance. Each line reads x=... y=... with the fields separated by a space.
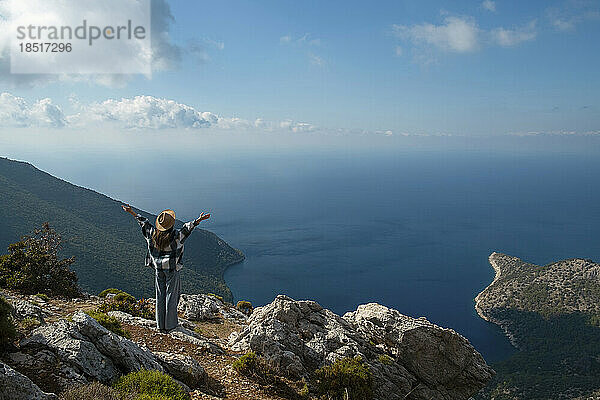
x=125 y=298
x=259 y=370
x=349 y=378
x=246 y=364
x=216 y=296
x=43 y=296
x=150 y=385
x=385 y=359
x=110 y=323
x=29 y=323
x=125 y=302
x=90 y=391
x=7 y=328
x=32 y=266
x=109 y=291
x=245 y=307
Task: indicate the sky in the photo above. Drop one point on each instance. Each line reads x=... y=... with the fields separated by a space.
x=388 y=68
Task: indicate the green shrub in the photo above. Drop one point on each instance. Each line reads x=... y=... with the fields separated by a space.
x=7 y=328
x=125 y=297
x=217 y=297
x=127 y=303
x=43 y=296
x=110 y=323
x=385 y=359
x=150 y=385
x=109 y=291
x=304 y=392
x=29 y=323
x=349 y=376
x=90 y=391
x=245 y=307
x=246 y=363
x=32 y=266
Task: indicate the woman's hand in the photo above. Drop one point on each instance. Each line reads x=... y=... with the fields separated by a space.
x=201 y=218
x=127 y=208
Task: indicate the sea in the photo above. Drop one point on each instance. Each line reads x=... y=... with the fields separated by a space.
x=409 y=228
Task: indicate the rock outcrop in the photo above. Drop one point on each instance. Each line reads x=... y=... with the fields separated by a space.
x=61 y=354
x=205 y=307
x=16 y=386
x=183 y=368
x=406 y=355
x=23 y=309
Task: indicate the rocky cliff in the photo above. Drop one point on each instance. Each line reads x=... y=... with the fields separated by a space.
x=409 y=358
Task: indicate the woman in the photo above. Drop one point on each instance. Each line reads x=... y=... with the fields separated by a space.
x=165 y=250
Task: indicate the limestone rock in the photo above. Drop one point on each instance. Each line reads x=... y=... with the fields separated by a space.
x=440 y=358
x=184 y=368
x=131 y=320
x=203 y=307
x=16 y=386
x=23 y=309
x=80 y=351
x=296 y=337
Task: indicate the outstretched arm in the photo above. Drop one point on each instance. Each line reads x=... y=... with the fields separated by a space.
x=187 y=228
x=201 y=218
x=127 y=208
x=144 y=223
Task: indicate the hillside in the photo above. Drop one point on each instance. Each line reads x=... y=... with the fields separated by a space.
x=551 y=314
x=106 y=242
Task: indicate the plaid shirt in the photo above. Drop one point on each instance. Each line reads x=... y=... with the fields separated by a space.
x=170 y=258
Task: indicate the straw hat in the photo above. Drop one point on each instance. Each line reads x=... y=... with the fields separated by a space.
x=165 y=220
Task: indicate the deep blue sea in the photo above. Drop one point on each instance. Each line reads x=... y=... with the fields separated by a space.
x=408 y=229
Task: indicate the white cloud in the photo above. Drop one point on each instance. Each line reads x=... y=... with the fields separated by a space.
x=143 y=112
x=305 y=39
x=137 y=113
x=489 y=5
x=456 y=34
x=511 y=37
x=316 y=60
x=16 y=112
x=459 y=35
x=398 y=51
x=572 y=14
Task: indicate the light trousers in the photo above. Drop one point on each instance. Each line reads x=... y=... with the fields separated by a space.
x=168 y=289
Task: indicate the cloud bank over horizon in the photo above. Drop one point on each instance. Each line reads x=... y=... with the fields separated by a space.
x=149 y=113
x=135 y=113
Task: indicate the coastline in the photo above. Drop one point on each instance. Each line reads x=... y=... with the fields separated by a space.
x=503 y=324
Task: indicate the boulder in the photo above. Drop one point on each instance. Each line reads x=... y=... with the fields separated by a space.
x=23 y=309
x=183 y=368
x=16 y=386
x=131 y=320
x=297 y=337
x=65 y=353
x=442 y=359
x=204 y=307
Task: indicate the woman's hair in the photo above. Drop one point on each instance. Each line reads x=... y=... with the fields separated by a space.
x=162 y=239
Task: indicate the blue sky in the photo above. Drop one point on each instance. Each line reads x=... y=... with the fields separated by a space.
x=460 y=68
